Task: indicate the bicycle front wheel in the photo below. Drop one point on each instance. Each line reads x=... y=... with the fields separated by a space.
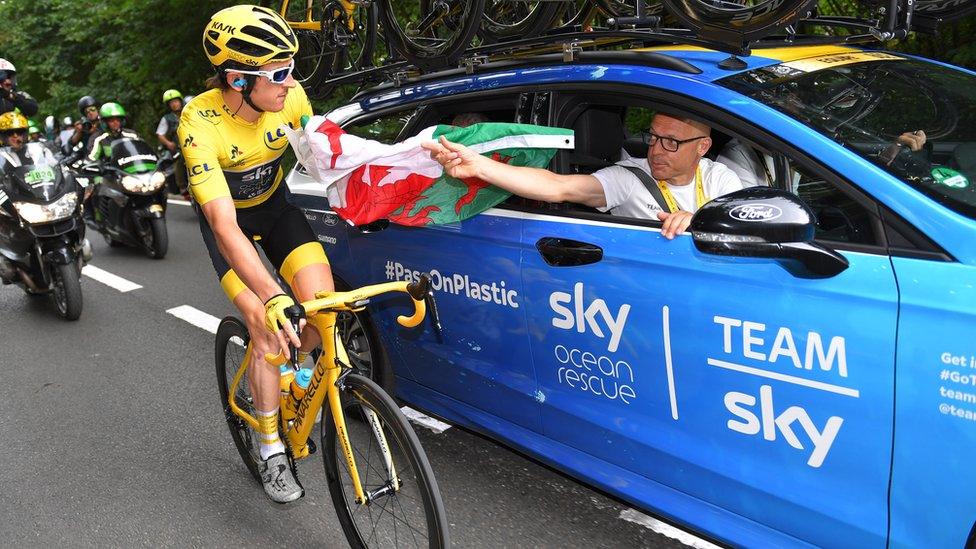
x=403 y=507
x=230 y=347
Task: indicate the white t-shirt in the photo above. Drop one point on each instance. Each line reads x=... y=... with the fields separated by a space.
x=627 y=196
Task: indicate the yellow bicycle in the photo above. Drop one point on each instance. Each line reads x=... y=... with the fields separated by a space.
x=381 y=483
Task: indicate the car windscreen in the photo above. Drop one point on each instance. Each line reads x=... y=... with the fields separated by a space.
x=884 y=107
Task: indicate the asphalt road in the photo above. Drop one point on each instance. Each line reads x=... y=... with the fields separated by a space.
x=111 y=435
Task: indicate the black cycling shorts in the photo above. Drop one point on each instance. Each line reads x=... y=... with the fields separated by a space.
x=282 y=231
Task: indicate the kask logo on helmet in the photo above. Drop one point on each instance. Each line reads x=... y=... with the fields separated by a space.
x=218 y=26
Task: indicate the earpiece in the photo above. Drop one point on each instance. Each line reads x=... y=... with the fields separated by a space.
x=239 y=82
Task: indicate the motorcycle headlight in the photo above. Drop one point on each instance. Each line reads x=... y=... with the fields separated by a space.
x=143 y=183
x=46 y=213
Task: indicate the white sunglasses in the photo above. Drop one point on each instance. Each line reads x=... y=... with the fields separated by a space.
x=277 y=76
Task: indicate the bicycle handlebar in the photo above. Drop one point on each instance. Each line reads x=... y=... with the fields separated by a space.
x=418 y=291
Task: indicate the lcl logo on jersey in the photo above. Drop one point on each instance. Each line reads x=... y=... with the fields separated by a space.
x=275 y=140
x=210 y=115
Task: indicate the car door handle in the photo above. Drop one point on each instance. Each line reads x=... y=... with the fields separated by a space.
x=562 y=252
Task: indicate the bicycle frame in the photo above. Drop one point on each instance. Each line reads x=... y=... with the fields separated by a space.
x=349 y=6
x=329 y=369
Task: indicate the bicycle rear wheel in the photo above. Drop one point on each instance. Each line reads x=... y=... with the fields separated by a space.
x=413 y=515
x=231 y=343
x=738 y=22
x=431 y=34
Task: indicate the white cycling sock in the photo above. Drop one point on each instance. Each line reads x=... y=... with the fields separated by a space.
x=270 y=443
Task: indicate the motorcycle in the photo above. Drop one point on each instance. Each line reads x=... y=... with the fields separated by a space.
x=128 y=205
x=42 y=238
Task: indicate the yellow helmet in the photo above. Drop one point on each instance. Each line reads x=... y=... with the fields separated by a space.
x=13 y=121
x=249 y=36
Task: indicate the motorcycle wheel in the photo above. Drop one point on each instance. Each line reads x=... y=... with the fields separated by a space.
x=67 y=290
x=156 y=238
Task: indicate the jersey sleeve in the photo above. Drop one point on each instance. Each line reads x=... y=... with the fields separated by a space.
x=198 y=144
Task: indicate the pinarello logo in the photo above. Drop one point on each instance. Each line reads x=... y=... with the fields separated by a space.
x=755 y=212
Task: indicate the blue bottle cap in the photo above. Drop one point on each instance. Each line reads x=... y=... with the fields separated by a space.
x=303 y=377
x=284 y=368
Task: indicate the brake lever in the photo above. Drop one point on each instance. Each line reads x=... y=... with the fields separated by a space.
x=295 y=314
x=432 y=312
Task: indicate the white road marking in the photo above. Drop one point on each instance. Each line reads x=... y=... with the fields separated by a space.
x=691 y=540
x=846 y=391
x=196 y=317
x=109 y=279
x=178 y=201
x=424 y=420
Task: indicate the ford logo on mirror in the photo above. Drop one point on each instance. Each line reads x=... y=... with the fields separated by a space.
x=755 y=212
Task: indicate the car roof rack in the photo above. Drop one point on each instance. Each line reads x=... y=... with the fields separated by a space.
x=564 y=45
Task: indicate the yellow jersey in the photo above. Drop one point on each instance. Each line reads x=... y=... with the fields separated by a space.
x=226 y=155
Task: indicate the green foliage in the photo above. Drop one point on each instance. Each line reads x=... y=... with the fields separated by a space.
x=130 y=51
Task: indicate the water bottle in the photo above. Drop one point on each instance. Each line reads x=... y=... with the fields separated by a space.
x=296 y=392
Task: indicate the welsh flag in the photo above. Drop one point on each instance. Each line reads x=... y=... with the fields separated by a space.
x=367 y=180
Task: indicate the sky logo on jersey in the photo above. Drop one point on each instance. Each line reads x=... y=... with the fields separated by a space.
x=275 y=140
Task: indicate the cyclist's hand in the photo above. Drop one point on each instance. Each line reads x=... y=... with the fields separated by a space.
x=276 y=321
x=458 y=160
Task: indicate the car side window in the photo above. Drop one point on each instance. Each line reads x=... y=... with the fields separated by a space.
x=840 y=217
x=385 y=129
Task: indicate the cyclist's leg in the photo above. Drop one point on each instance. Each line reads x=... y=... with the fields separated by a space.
x=263 y=379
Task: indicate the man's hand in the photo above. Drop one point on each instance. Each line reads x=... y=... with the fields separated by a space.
x=458 y=160
x=674 y=223
x=278 y=323
x=913 y=140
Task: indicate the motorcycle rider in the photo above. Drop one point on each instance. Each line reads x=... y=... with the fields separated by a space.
x=89 y=127
x=114 y=118
x=34 y=133
x=13 y=132
x=10 y=98
x=64 y=136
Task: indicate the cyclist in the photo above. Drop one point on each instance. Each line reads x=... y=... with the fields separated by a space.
x=113 y=116
x=10 y=98
x=232 y=145
x=166 y=129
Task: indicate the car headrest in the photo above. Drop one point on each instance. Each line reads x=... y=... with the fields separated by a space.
x=964 y=158
x=599 y=137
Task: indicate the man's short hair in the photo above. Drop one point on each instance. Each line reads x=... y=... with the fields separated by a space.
x=701 y=126
x=465 y=119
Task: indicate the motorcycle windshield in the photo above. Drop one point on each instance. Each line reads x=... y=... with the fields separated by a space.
x=133 y=156
x=38 y=178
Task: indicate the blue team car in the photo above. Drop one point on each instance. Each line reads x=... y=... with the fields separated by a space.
x=798 y=370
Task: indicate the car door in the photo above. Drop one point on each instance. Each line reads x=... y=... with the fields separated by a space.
x=481 y=357
x=730 y=380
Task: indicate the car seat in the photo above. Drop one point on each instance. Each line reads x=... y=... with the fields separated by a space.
x=599 y=133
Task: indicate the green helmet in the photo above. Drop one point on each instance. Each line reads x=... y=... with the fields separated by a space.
x=32 y=128
x=169 y=95
x=110 y=110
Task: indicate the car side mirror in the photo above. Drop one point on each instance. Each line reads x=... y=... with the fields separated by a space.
x=765 y=222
